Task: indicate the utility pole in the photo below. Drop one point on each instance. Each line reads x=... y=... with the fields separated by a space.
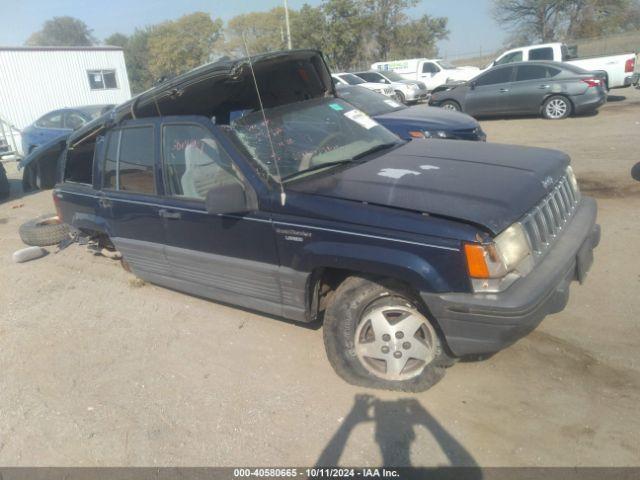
x=286 y=21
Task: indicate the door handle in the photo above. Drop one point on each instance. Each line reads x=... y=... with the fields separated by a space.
x=167 y=214
x=544 y=87
x=504 y=90
x=104 y=202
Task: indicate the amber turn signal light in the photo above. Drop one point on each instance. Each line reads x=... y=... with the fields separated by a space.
x=476 y=263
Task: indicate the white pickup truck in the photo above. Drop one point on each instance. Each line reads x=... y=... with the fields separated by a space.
x=433 y=72
x=618 y=69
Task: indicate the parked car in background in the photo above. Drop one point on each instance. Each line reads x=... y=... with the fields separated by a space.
x=351 y=79
x=617 y=69
x=407 y=91
x=411 y=253
x=555 y=90
x=57 y=123
x=418 y=121
x=433 y=72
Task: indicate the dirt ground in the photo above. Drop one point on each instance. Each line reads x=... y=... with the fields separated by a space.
x=99 y=369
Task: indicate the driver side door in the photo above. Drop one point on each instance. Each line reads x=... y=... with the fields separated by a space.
x=227 y=257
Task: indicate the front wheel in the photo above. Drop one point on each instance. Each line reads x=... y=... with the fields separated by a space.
x=556 y=107
x=376 y=336
x=400 y=96
x=451 y=106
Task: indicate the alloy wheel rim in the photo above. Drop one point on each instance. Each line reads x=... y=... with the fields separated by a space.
x=557 y=108
x=449 y=106
x=395 y=342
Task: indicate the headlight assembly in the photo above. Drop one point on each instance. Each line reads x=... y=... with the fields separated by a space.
x=494 y=266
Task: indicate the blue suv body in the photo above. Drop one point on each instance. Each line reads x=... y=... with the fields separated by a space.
x=411 y=253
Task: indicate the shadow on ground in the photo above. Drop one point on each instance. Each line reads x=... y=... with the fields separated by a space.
x=395 y=423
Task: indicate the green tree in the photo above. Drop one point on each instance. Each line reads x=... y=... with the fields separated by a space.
x=63 y=32
x=117 y=40
x=180 y=45
x=418 y=38
x=308 y=27
x=344 y=32
x=263 y=31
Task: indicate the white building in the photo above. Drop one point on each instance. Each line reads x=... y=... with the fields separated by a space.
x=36 y=80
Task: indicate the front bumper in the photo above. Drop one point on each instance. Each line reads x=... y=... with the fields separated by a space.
x=485 y=323
x=416 y=95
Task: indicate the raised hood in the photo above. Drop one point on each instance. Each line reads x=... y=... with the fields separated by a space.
x=485 y=184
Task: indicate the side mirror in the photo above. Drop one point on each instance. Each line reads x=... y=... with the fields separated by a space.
x=229 y=198
x=635 y=172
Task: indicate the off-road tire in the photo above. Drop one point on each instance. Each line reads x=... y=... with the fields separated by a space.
x=352 y=298
x=44 y=231
x=5 y=189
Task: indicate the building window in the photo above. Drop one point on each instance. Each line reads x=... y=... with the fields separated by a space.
x=102 y=79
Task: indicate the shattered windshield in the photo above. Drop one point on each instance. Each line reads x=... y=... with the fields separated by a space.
x=309 y=135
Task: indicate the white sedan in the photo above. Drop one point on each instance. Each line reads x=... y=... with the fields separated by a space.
x=351 y=79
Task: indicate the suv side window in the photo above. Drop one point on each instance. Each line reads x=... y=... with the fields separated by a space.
x=52 y=120
x=510 y=58
x=136 y=160
x=541 y=54
x=194 y=162
x=493 y=77
x=372 y=77
x=109 y=172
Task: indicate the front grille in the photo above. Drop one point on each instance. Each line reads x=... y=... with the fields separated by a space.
x=466 y=134
x=548 y=219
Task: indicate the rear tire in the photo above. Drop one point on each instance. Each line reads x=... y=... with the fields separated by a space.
x=366 y=347
x=451 y=105
x=44 y=231
x=557 y=107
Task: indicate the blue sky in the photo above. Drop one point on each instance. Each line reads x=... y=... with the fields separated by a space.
x=472 y=29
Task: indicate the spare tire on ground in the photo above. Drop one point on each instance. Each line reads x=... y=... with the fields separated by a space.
x=44 y=231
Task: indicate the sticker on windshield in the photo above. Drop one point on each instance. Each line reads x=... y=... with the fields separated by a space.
x=361 y=119
x=336 y=106
x=391 y=103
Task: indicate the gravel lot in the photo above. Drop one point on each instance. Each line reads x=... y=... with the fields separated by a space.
x=99 y=369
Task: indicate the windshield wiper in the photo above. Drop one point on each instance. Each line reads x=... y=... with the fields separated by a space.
x=321 y=166
x=377 y=148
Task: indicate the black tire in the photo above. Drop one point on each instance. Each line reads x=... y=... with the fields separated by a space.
x=563 y=103
x=5 y=189
x=44 y=231
x=353 y=299
x=400 y=96
x=451 y=105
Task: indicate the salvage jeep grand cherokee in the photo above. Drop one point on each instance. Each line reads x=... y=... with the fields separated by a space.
x=412 y=253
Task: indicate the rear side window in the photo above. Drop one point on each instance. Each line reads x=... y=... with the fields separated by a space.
x=136 y=160
x=531 y=72
x=129 y=160
x=541 y=54
x=499 y=75
x=53 y=120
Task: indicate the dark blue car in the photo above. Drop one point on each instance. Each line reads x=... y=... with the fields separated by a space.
x=418 y=121
x=411 y=253
x=57 y=123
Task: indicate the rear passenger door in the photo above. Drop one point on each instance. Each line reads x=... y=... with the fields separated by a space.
x=230 y=257
x=533 y=83
x=489 y=93
x=129 y=199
